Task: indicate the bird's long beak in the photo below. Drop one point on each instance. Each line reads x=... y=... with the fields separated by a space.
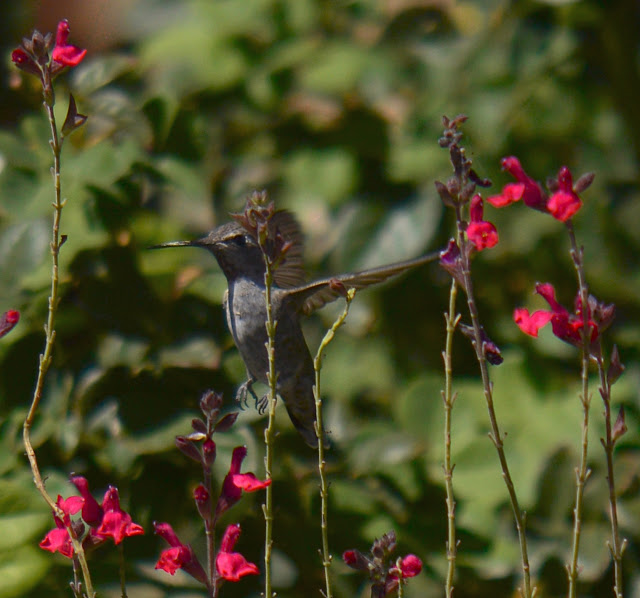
x=195 y=243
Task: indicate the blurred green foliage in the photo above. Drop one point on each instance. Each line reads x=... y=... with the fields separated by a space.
x=335 y=108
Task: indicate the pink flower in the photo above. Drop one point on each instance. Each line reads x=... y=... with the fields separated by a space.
x=8 y=320
x=63 y=53
x=235 y=482
x=481 y=233
x=116 y=523
x=232 y=566
x=564 y=203
x=179 y=556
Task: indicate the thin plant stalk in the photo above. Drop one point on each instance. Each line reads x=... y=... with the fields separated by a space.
x=324 y=486
x=209 y=530
x=121 y=562
x=616 y=546
x=582 y=471
x=448 y=398
x=269 y=433
x=50 y=334
x=495 y=434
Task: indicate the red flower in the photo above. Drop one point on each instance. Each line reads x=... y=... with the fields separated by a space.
x=531 y=323
x=511 y=193
x=179 y=556
x=92 y=512
x=481 y=233
x=564 y=203
x=566 y=326
x=235 y=482
x=410 y=566
x=8 y=320
x=116 y=523
x=232 y=566
x=66 y=54
x=33 y=55
x=532 y=194
x=58 y=540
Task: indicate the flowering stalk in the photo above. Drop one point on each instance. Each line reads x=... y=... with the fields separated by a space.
x=223 y=564
x=269 y=433
x=448 y=398
x=582 y=471
x=259 y=213
x=50 y=334
x=580 y=329
x=612 y=435
x=477 y=235
x=324 y=486
x=40 y=57
x=495 y=434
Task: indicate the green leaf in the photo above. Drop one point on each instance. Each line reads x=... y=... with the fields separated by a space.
x=21 y=570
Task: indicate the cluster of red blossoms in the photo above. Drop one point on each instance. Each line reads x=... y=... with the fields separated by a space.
x=37 y=57
x=200 y=446
x=98 y=522
x=563 y=203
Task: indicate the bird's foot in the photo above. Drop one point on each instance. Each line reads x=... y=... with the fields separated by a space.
x=244 y=390
x=262 y=404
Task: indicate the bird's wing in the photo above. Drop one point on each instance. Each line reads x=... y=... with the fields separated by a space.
x=313 y=296
x=290 y=273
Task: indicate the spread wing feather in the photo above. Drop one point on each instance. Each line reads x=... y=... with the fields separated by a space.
x=290 y=273
x=315 y=295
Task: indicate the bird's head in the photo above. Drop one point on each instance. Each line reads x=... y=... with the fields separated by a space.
x=236 y=251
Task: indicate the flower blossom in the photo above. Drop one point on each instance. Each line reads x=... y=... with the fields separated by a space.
x=63 y=53
x=564 y=203
x=116 y=523
x=179 y=556
x=58 y=539
x=566 y=326
x=232 y=566
x=235 y=482
x=526 y=188
x=33 y=55
x=482 y=234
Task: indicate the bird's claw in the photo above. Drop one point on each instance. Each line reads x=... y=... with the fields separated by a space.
x=245 y=389
x=262 y=404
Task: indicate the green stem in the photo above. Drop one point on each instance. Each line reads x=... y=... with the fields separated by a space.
x=269 y=433
x=324 y=486
x=495 y=434
x=123 y=584
x=50 y=334
x=616 y=546
x=449 y=398
x=209 y=531
x=582 y=471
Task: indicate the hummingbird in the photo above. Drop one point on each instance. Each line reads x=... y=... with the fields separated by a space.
x=241 y=260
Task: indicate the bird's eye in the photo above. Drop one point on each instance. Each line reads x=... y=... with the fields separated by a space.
x=241 y=240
